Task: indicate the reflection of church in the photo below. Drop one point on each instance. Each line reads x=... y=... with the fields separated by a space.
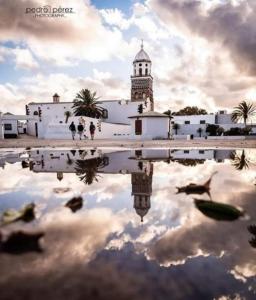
x=88 y=163
x=142 y=190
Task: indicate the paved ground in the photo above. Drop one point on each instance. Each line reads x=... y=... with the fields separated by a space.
x=32 y=142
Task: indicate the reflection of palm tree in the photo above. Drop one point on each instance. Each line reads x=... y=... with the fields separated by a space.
x=240 y=162
x=87 y=169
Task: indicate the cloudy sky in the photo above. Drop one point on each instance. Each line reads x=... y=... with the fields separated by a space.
x=203 y=51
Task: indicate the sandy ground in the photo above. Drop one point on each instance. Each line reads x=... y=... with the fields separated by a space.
x=32 y=142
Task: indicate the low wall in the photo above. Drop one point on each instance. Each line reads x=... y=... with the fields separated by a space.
x=226 y=137
x=103 y=130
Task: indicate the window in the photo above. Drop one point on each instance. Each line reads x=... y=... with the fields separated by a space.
x=146 y=65
x=7 y=126
x=105 y=114
x=140 y=71
x=35 y=113
x=201 y=151
x=146 y=71
x=186 y=151
x=187 y=122
x=138 y=152
x=202 y=121
x=138 y=127
x=140 y=65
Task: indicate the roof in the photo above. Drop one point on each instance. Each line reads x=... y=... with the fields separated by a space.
x=152 y=114
x=71 y=102
x=142 y=55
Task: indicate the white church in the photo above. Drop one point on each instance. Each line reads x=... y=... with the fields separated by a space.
x=122 y=119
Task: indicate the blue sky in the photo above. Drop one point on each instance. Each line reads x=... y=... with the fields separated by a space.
x=197 y=58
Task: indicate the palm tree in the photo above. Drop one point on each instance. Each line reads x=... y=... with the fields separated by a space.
x=67 y=115
x=200 y=130
x=176 y=127
x=243 y=112
x=170 y=114
x=85 y=104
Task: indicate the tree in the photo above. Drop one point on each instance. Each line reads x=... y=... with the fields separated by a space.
x=212 y=129
x=243 y=111
x=220 y=131
x=140 y=108
x=176 y=127
x=67 y=115
x=200 y=130
x=85 y=104
x=170 y=114
x=191 y=110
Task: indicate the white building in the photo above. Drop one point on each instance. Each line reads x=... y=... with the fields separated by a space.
x=196 y=124
x=149 y=125
x=123 y=119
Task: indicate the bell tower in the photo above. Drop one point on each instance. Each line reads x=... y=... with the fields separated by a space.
x=142 y=189
x=141 y=80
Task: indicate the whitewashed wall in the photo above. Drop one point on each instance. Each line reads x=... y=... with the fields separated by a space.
x=191 y=129
x=152 y=128
x=56 y=130
x=195 y=119
x=1 y=127
x=193 y=154
x=14 y=124
x=119 y=111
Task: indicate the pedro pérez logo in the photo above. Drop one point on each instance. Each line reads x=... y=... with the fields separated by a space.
x=49 y=11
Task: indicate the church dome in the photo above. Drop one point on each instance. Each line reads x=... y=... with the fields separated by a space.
x=141 y=212
x=142 y=55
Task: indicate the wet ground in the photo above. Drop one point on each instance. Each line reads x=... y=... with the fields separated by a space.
x=131 y=224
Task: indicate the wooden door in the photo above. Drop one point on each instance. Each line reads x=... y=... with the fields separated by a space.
x=138 y=127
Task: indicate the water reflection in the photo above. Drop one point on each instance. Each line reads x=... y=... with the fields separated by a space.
x=180 y=251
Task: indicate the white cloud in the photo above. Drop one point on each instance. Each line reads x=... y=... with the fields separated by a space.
x=24 y=59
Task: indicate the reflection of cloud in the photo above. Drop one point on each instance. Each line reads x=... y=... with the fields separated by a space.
x=123 y=274
x=210 y=238
x=68 y=239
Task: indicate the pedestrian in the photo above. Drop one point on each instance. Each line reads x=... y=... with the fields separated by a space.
x=92 y=130
x=72 y=128
x=80 y=129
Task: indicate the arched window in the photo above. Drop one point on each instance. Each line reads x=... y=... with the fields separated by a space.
x=146 y=71
x=36 y=113
x=140 y=71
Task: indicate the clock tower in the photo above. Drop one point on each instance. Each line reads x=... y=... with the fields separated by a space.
x=141 y=80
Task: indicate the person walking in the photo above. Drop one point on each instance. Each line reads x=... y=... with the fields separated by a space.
x=80 y=129
x=92 y=130
x=72 y=128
